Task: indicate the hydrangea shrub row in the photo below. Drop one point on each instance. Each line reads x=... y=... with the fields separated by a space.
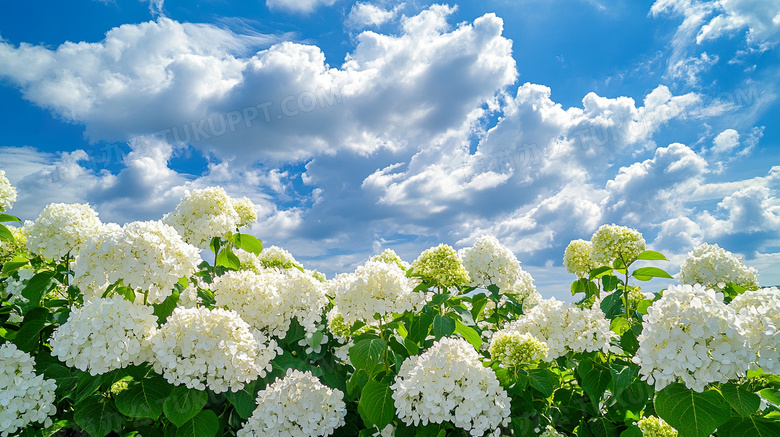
x=187 y=326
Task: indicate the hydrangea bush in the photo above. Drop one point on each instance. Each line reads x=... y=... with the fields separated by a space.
x=127 y=331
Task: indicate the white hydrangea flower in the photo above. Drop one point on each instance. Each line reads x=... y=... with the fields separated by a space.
x=203 y=348
x=149 y=256
x=25 y=397
x=207 y=213
x=389 y=256
x=105 y=334
x=511 y=348
x=712 y=266
x=269 y=300
x=62 y=228
x=297 y=406
x=449 y=383
x=442 y=266
x=652 y=426
x=14 y=286
x=563 y=327
x=611 y=242
x=272 y=257
x=691 y=335
x=577 y=258
x=375 y=288
x=759 y=312
x=490 y=263
x=7 y=193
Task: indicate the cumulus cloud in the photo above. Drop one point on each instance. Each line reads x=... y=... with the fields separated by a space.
x=364 y=15
x=297 y=6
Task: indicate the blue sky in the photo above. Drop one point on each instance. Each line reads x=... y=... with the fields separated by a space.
x=356 y=126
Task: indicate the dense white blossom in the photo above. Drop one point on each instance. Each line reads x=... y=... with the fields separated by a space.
x=563 y=327
x=691 y=335
x=441 y=266
x=712 y=266
x=611 y=242
x=271 y=257
x=207 y=213
x=389 y=256
x=374 y=288
x=7 y=193
x=105 y=334
x=149 y=257
x=25 y=397
x=200 y=348
x=62 y=228
x=269 y=300
x=511 y=348
x=489 y=262
x=759 y=312
x=577 y=258
x=448 y=383
x=297 y=406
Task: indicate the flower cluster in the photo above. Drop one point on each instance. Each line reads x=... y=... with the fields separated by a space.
x=511 y=348
x=14 y=287
x=62 y=228
x=562 y=327
x=652 y=426
x=712 y=266
x=208 y=213
x=25 y=397
x=272 y=257
x=577 y=258
x=611 y=242
x=7 y=193
x=449 y=383
x=105 y=334
x=153 y=258
x=759 y=312
x=270 y=299
x=375 y=288
x=692 y=335
x=441 y=266
x=203 y=348
x=389 y=256
x=297 y=406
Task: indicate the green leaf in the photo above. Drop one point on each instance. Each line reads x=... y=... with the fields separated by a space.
x=469 y=334
x=442 y=326
x=749 y=427
x=477 y=305
x=165 y=308
x=599 y=271
x=742 y=401
x=595 y=379
x=184 y=403
x=367 y=353
x=65 y=379
x=215 y=244
x=250 y=243
x=609 y=282
x=9 y=218
x=12 y=266
x=691 y=413
x=228 y=259
x=37 y=286
x=612 y=305
x=632 y=431
x=643 y=306
x=601 y=427
x=651 y=255
x=771 y=394
x=144 y=398
x=28 y=336
x=629 y=342
x=543 y=380
x=85 y=386
x=204 y=424
x=522 y=426
x=418 y=329
x=5 y=234
x=647 y=273
x=376 y=404
x=98 y=416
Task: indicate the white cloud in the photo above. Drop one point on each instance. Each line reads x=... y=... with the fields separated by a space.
x=298 y=6
x=368 y=15
x=726 y=141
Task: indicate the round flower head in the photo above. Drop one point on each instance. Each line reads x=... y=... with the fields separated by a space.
x=25 y=397
x=149 y=256
x=441 y=266
x=759 y=312
x=489 y=262
x=524 y=291
x=691 y=335
x=208 y=213
x=652 y=426
x=270 y=299
x=511 y=348
x=389 y=256
x=7 y=193
x=375 y=288
x=272 y=257
x=62 y=228
x=712 y=266
x=105 y=334
x=577 y=258
x=611 y=242
x=563 y=327
x=297 y=406
x=448 y=383
x=203 y=348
